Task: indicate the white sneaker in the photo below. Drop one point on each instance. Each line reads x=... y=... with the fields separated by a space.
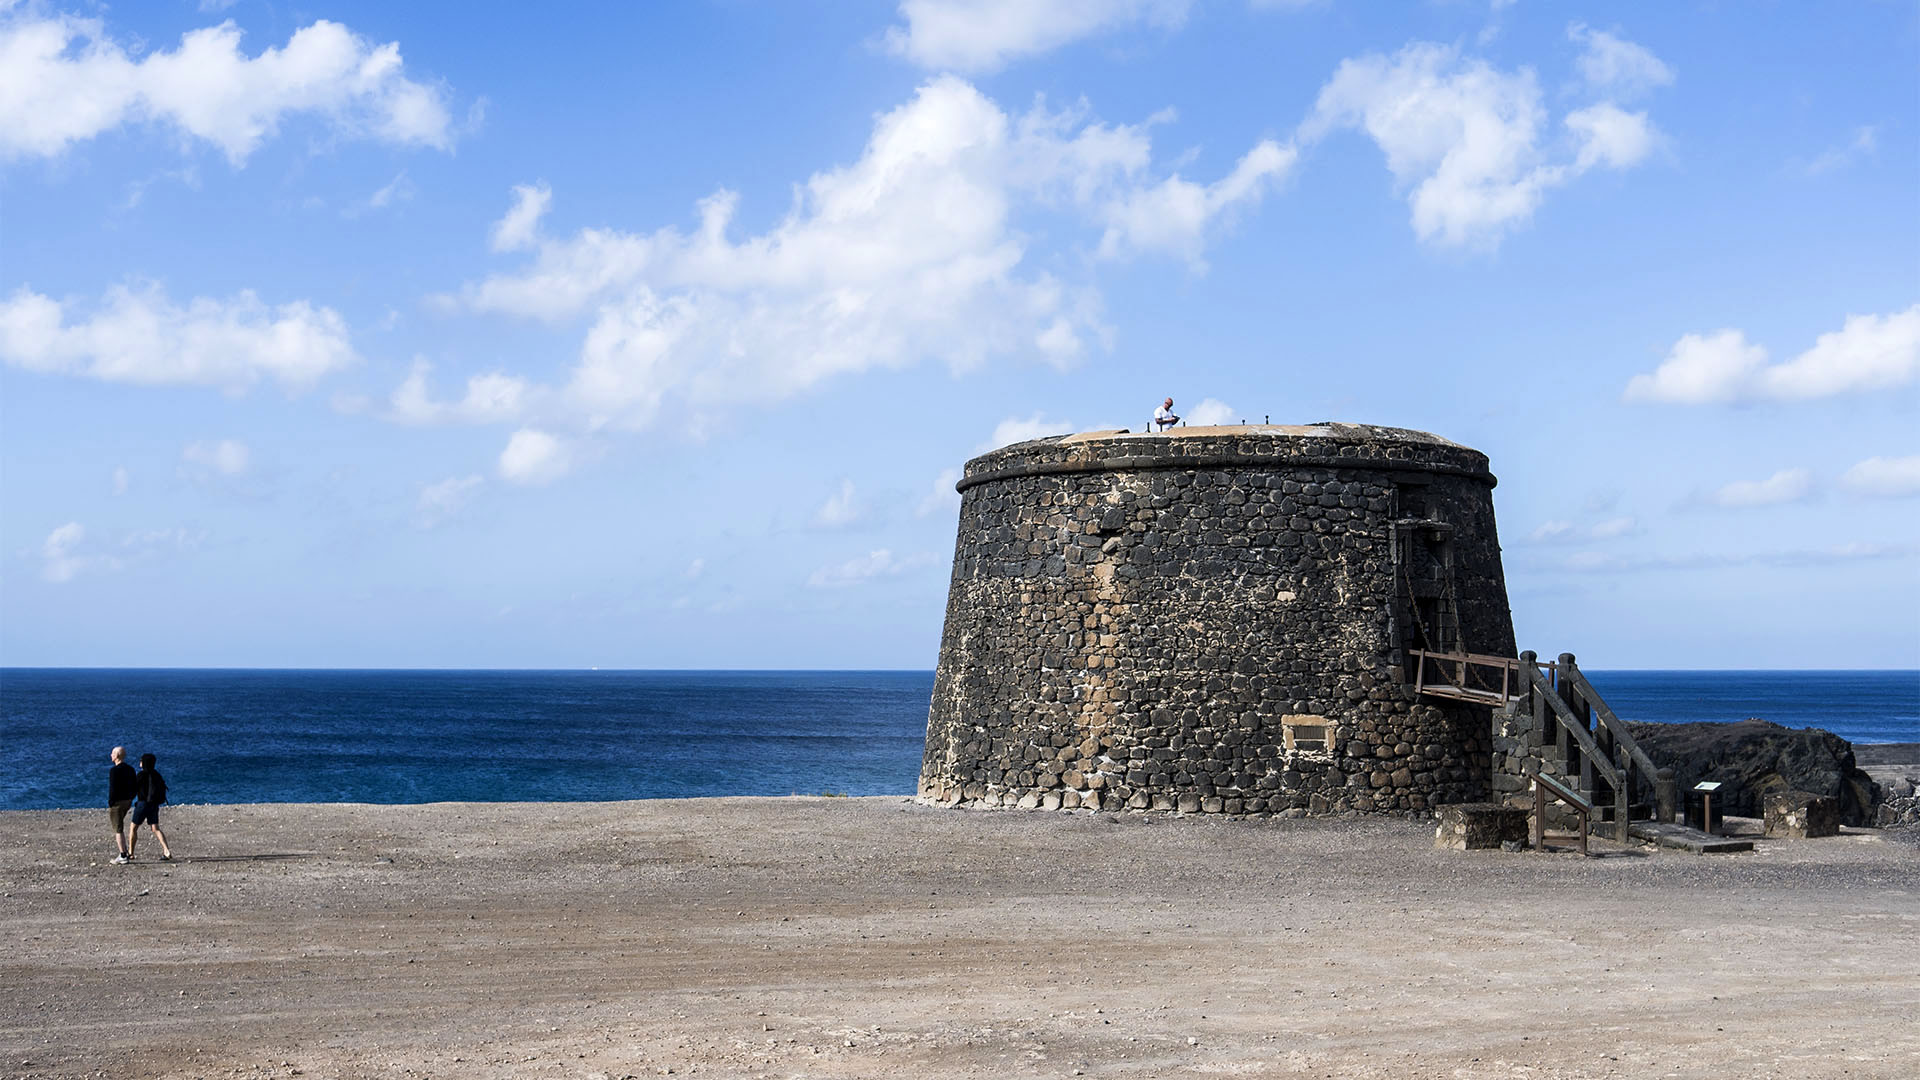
x=121 y=859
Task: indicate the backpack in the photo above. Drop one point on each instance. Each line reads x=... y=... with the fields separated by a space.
x=156 y=789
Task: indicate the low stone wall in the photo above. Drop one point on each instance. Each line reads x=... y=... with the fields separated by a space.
x=1895 y=768
x=1802 y=815
x=1897 y=808
x=1479 y=825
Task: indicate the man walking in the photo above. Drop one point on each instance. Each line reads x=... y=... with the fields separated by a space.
x=120 y=780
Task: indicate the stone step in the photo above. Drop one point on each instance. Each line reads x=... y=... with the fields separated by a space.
x=1685 y=838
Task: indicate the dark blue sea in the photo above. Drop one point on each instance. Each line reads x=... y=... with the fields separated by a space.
x=428 y=736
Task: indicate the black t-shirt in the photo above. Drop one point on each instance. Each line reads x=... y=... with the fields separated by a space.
x=120 y=780
x=149 y=787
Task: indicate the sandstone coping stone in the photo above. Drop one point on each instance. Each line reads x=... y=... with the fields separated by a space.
x=1802 y=815
x=1478 y=825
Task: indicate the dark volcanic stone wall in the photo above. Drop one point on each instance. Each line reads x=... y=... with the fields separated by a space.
x=1215 y=620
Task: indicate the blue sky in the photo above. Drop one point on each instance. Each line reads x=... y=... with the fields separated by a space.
x=655 y=335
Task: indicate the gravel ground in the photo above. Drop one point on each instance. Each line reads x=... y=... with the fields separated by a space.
x=874 y=937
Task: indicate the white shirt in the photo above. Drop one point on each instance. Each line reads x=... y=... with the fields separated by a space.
x=1162 y=413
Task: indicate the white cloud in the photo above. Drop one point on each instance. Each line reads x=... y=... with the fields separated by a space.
x=142 y=337
x=1209 y=412
x=1609 y=135
x=145 y=540
x=439 y=501
x=908 y=254
x=905 y=254
x=696 y=568
x=1062 y=156
x=533 y=456
x=1886 y=477
x=566 y=277
x=120 y=480
x=490 y=398
x=1019 y=429
x=980 y=35
x=396 y=191
x=943 y=498
x=841 y=509
x=228 y=457
x=1468 y=139
x=518 y=229
x=873 y=565
x=1701 y=368
x=66 y=553
x=1868 y=352
x=1551 y=531
x=63 y=81
x=1596 y=562
x=1561 y=531
x=1611 y=64
x=1174 y=215
x=1785 y=486
x=61 y=561
x=1865 y=143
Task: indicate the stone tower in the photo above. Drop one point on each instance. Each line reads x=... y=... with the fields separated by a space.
x=1217 y=619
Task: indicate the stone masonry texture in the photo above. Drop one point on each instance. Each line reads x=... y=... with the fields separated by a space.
x=1216 y=620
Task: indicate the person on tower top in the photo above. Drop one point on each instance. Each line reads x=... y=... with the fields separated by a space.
x=1163 y=417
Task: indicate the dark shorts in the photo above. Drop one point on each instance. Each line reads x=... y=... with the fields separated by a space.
x=146 y=814
x=117 y=813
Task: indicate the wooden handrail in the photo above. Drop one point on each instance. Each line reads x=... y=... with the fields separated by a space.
x=1614 y=724
x=1507 y=666
x=1560 y=791
x=1576 y=729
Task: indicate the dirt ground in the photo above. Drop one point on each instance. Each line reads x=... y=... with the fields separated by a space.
x=874 y=937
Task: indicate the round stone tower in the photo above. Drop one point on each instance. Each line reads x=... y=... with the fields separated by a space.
x=1216 y=619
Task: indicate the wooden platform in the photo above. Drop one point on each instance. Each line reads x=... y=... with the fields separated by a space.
x=1685 y=838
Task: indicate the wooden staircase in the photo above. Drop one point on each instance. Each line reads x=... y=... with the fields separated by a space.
x=1577 y=749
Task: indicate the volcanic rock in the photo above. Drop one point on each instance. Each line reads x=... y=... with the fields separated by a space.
x=1754 y=758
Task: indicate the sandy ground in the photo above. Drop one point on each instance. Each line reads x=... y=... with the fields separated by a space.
x=873 y=937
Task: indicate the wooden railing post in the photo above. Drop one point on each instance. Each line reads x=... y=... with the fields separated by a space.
x=1539 y=815
x=1563 y=685
x=1621 y=808
x=1536 y=735
x=1549 y=736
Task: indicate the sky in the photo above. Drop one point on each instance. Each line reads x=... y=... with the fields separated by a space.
x=656 y=335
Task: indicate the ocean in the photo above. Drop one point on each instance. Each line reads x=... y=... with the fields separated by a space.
x=429 y=736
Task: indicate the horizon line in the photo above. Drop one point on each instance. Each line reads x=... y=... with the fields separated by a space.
x=759 y=670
